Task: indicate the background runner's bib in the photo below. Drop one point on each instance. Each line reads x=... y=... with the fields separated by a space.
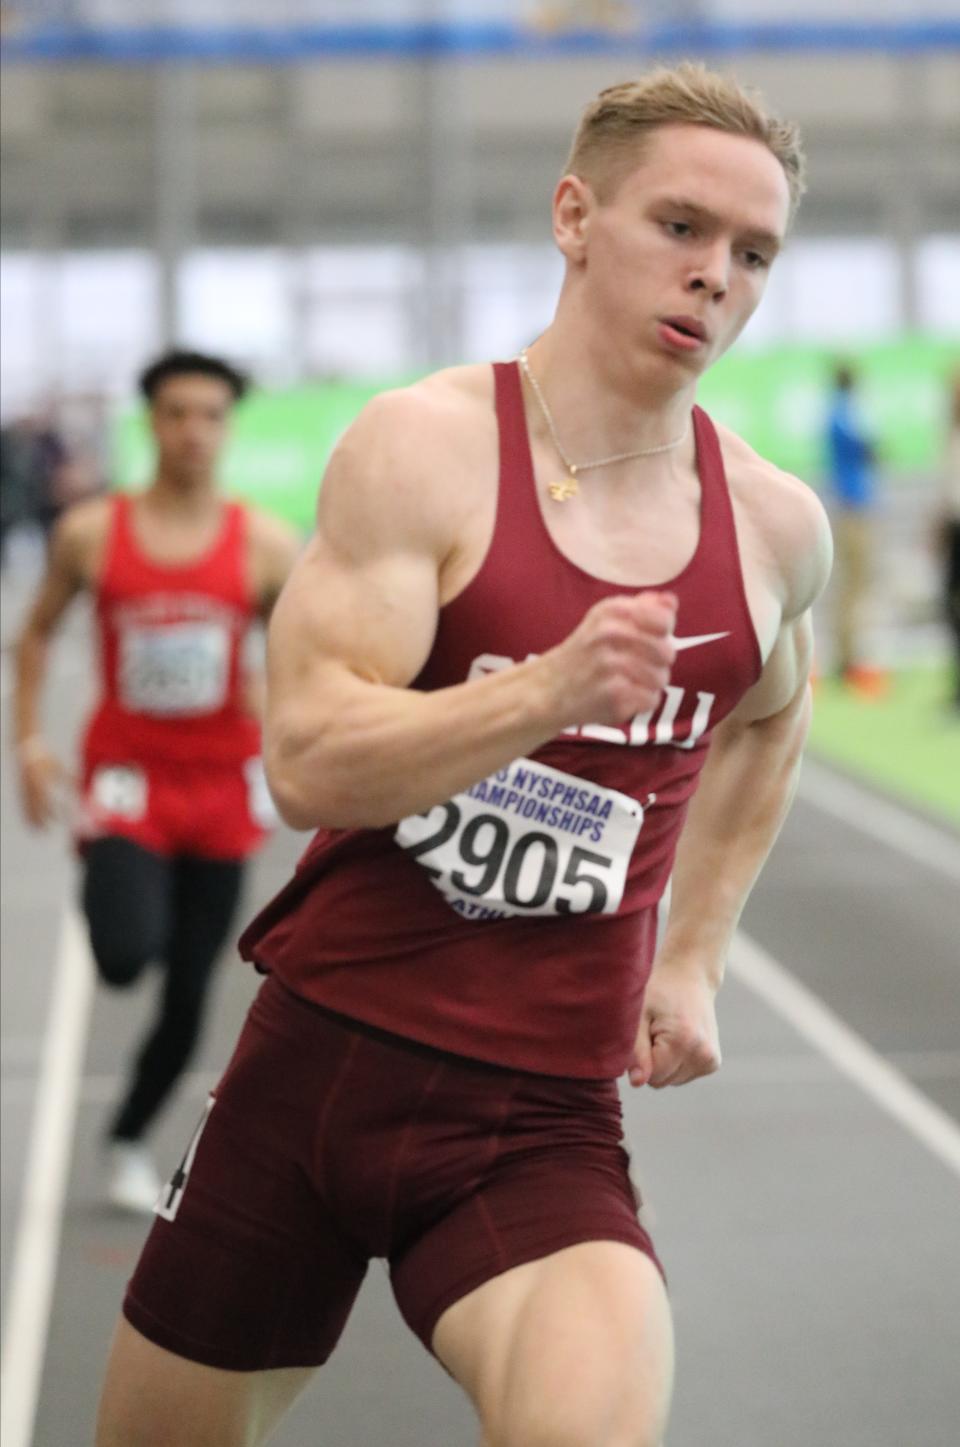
x=120 y=790
x=528 y=840
x=174 y=669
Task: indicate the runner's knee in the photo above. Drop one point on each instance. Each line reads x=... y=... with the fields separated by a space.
x=117 y=966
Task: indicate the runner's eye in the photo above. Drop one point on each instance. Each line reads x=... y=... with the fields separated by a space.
x=755 y=260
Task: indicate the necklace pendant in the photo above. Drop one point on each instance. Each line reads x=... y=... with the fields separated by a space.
x=568 y=487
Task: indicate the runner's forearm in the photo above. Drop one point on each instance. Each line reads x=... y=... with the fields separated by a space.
x=385 y=752
x=745 y=793
x=30 y=672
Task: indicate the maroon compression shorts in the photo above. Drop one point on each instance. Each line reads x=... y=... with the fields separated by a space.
x=328 y=1143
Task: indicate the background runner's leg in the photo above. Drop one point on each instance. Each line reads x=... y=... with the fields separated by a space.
x=126 y=900
x=205 y=893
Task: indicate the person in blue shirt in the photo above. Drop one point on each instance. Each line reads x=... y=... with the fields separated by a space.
x=948 y=533
x=851 y=458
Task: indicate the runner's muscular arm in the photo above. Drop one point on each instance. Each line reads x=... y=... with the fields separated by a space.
x=347 y=743
x=744 y=794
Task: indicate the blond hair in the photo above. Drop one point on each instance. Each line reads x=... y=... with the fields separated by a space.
x=624 y=116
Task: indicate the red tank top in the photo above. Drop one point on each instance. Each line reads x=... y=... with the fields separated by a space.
x=516 y=923
x=170 y=651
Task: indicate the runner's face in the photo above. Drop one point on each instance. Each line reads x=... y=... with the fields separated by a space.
x=688 y=236
x=189 y=416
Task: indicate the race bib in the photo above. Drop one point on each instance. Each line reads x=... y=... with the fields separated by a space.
x=180 y=668
x=259 y=802
x=528 y=840
x=119 y=790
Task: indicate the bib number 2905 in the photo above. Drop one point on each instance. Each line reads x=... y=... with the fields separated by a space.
x=485 y=849
x=491 y=859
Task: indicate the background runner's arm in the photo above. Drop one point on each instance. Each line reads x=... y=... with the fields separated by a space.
x=274 y=549
x=61 y=583
x=347 y=743
x=37 y=768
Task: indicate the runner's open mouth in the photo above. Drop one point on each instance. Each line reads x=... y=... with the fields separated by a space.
x=687 y=330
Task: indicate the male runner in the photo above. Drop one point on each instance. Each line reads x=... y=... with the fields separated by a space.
x=173 y=798
x=544 y=603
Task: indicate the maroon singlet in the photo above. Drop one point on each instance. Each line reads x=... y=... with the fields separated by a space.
x=516 y=923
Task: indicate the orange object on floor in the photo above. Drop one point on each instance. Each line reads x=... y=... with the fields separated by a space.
x=871 y=683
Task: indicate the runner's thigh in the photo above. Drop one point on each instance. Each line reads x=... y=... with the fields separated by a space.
x=127 y=895
x=152 y=1398
x=573 y=1350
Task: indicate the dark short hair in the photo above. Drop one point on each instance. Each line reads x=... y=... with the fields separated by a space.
x=177 y=363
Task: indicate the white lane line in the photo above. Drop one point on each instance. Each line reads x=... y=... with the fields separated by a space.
x=851 y=1055
x=35 y=1249
x=880 y=819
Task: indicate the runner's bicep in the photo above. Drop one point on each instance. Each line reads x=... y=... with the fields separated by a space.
x=785 y=675
x=339 y=620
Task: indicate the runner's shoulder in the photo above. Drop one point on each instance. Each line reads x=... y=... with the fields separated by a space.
x=414 y=456
x=784 y=508
x=81 y=531
x=783 y=512
x=89 y=518
x=426 y=421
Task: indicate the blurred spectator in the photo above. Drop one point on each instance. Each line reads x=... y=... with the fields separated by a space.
x=851 y=459
x=948 y=528
x=41 y=473
x=16 y=498
x=48 y=458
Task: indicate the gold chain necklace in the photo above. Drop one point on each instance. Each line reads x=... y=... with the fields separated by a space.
x=569 y=486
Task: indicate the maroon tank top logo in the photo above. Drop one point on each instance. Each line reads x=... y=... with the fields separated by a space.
x=681 y=717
